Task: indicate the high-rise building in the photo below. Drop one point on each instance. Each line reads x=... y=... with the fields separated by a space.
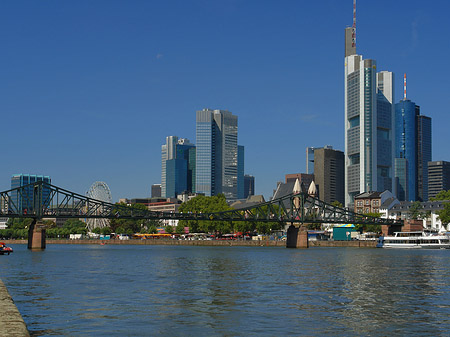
x=177 y=167
x=240 y=173
x=249 y=185
x=24 y=201
x=423 y=155
x=156 y=191
x=438 y=177
x=310 y=158
x=329 y=174
x=217 y=153
x=406 y=148
x=412 y=143
x=368 y=123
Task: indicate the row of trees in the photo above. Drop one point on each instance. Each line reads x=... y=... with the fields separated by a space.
x=203 y=204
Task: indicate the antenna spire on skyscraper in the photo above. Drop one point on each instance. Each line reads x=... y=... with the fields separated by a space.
x=404 y=87
x=354 y=25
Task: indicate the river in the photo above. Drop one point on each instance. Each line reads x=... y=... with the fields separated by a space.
x=112 y=290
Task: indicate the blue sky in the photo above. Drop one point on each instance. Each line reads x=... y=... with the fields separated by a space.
x=90 y=89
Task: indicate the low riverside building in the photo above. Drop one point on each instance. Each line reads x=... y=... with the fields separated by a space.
x=429 y=210
x=374 y=202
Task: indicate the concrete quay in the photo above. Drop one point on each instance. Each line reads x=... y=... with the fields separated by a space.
x=11 y=321
x=224 y=243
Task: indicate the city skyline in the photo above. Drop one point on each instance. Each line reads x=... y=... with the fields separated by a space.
x=92 y=90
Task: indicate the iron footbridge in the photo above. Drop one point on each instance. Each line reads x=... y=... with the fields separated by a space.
x=41 y=200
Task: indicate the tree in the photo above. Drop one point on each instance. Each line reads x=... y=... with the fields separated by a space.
x=169 y=229
x=415 y=210
x=442 y=195
x=337 y=204
x=444 y=215
x=179 y=229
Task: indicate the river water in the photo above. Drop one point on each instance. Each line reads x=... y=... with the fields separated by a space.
x=94 y=290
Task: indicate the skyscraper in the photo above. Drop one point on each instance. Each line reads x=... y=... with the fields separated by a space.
x=240 y=173
x=413 y=144
x=438 y=177
x=24 y=202
x=423 y=155
x=249 y=185
x=368 y=123
x=329 y=174
x=406 y=148
x=177 y=167
x=217 y=153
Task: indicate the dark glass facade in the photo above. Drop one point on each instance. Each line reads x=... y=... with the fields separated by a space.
x=406 y=147
x=249 y=185
x=24 y=202
x=423 y=155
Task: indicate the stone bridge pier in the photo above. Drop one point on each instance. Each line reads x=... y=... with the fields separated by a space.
x=36 y=236
x=297 y=236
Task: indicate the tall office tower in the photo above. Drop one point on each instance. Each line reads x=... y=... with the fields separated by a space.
x=217 y=153
x=24 y=202
x=249 y=185
x=413 y=143
x=177 y=167
x=401 y=178
x=156 y=191
x=368 y=125
x=423 y=154
x=310 y=160
x=406 y=148
x=438 y=177
x=329 y=174
x=240 y=173
x=310 y=157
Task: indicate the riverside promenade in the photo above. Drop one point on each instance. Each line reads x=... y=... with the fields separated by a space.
x=11 y=321
x=218 y=243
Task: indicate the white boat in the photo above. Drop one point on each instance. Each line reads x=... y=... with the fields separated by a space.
x=428 y=240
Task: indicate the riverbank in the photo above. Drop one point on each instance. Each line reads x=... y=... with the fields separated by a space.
x=247 y=243
x=11 y=321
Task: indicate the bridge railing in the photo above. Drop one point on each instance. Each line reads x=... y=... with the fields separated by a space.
x=43 y=200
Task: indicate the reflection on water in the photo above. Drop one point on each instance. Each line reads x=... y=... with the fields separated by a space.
x=229 y=291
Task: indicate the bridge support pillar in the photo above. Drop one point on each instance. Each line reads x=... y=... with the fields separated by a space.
x=36 y=236
x=297 y=237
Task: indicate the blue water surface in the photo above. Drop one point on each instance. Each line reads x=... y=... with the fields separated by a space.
x=128 y=290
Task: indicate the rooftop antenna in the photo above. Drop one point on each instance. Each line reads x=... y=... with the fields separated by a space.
x=404 y=87
x=354 y=25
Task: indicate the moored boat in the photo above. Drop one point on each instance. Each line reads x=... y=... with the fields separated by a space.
x=428 y=240
x=5 y=250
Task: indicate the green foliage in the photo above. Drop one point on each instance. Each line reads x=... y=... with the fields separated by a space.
x=152 y=230
x=169 y=229
x=337 y=204
x=129 y=226
x=202 y=204
x=415 y=211
x=442 y=195
x=179 y=229
x=444 y=215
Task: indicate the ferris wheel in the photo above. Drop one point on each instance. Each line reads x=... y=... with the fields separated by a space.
x=99 y=191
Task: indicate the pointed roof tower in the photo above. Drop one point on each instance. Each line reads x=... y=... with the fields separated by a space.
x=312 y=190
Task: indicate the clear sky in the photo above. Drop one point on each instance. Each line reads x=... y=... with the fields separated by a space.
x=90 y=89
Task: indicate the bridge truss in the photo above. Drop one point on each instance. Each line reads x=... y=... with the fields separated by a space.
x=41 y=200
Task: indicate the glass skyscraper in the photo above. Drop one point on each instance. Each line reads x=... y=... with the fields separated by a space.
x=24 y=202
x=217 y=153
x=177 y=167
x=413 y=143
x=406 y=147
x=368 y=127
x=423 y=155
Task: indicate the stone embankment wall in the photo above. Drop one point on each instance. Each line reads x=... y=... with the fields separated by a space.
x=11 y=321
x=262 y=243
